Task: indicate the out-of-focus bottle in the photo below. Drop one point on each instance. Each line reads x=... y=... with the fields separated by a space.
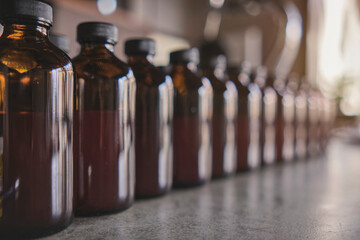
x=301 y=115
x=61 y=41
x=104 y=167
x=285 y=122
x=239 y=75
x=313 y=122
x=224 y=115
x=255 y=114
x=324 y=121
x=36 y=101
x=192 y=120
x=153 y=120
x=268 y=115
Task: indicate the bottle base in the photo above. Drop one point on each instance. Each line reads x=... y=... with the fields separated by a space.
x=100 y=212
x=149 y=196
x=9 y=232
x=189 y=185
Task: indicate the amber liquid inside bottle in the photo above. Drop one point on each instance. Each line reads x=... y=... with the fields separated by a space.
x=153 y=129
x=192 y=128
x=36 y=83
x=103 y=137
x=224 y=126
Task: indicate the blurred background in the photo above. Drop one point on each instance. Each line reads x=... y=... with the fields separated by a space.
x=317 y=39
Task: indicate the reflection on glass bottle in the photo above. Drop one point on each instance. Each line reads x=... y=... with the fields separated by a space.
x=224 y=115
x=36 y=84
x=153 y=121
x=254 y=109
x=103 y=130
x=192 y=120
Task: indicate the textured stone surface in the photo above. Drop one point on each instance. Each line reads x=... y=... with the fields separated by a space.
x=309 y=199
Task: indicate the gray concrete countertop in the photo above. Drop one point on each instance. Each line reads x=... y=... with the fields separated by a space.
x=308 y=199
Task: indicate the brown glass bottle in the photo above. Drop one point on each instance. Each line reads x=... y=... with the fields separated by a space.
x=103 y=139
x=301 y=113
x=268 y=116
x=315 y=108
x=240 y=77
x=285 y=122
x=36 y=82
x=153 y=121
x=225 y=109
x=192 y=120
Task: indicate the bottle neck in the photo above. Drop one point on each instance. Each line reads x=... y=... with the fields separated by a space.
x=93 y=48
x=17 y=31
x=219 y=73
x=133 y=59
x=191 y=66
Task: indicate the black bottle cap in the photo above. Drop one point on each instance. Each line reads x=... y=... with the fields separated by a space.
x=97 y=32
x=61 y=41
x=140 y=46
x=26 y=10
x=212 y=55
x=212 y=62
x=185 y=56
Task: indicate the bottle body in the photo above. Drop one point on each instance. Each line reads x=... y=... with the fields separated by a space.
x=285 y=126
x=270 y=99
x=223 y=126
x=254 y=110
x=104 y=164
x=192 y=128
x=241 y=80
x=314 y=123
x=153 y=130
x=36 y=133
x=301 y=113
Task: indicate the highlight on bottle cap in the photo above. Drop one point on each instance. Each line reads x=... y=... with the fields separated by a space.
x=140 y=46
x=26 y=10
x=97 y=32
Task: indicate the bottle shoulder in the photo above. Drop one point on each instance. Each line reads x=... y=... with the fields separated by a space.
x=100 y=66
x=147 y=74
x=218 y=85
x=242 y=89
x=185 y=80
x=38 y=55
